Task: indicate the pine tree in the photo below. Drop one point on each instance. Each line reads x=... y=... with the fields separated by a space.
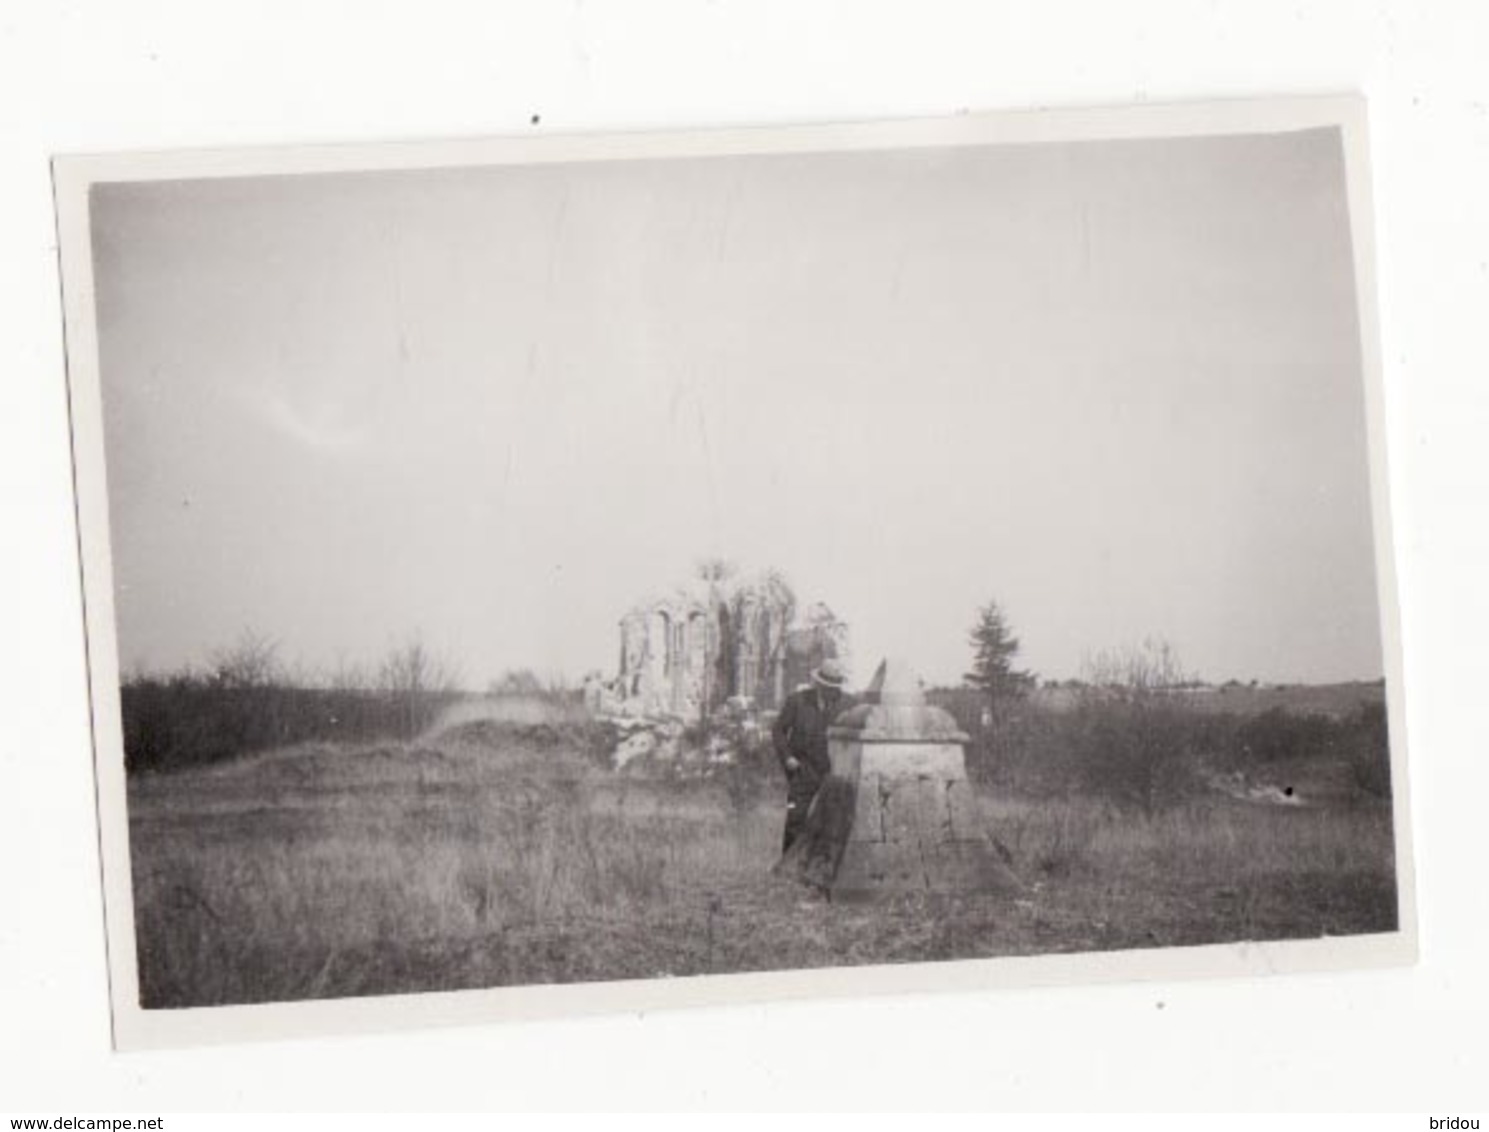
x=994 y=648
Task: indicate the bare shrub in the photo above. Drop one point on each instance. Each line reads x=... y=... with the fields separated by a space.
x=417 y=683
x=252 y=661
x=1135 y=741
x=1151 y=668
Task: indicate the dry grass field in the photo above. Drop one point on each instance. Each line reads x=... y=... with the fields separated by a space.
x=504 y=855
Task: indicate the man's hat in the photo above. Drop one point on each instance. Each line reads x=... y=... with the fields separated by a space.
x=829 y=674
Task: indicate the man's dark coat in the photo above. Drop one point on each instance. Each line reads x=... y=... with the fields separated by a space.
x=800 y=731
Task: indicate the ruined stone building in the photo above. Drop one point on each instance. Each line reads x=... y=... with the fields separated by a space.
x=688 y=654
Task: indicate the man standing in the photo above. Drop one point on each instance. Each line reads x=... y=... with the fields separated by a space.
x=800 y=735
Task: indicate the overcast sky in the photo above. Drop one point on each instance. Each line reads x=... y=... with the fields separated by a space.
x=1114 y=386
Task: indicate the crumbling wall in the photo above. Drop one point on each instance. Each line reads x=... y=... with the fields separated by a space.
x=820 y=636
x=687 y=654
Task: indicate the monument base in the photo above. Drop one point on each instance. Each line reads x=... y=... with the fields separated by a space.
x=880 y=834
x=871 y=871
x=896 y=814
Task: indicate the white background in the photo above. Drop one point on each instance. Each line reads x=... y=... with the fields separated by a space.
x=98 y=76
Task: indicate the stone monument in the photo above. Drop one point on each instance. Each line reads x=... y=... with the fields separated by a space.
x=896 y=815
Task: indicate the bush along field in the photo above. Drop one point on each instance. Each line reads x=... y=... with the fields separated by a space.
x=479 y=845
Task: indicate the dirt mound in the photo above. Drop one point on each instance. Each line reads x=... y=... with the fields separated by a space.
x=502 y=735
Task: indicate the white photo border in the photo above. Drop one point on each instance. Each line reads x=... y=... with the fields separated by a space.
x=136 y=1028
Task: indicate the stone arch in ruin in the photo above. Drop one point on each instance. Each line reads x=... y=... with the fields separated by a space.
x=685 y=655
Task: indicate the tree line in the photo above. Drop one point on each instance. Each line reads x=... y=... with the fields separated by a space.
x=1130 y=735
x=247 y=698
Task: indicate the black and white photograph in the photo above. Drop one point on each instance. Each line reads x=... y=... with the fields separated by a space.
x=642 y=560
